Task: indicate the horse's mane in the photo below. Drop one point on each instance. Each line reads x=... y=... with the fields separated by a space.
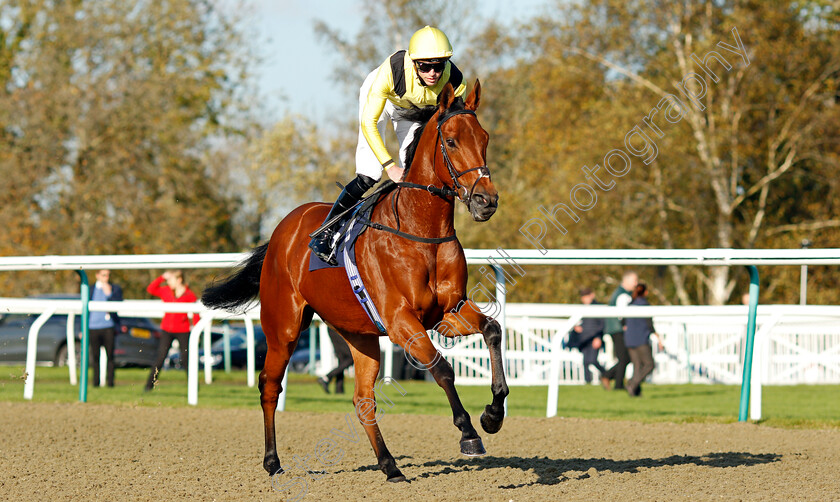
x=422 y=116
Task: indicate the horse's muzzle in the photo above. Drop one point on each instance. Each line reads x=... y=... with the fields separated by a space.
x=483 y=205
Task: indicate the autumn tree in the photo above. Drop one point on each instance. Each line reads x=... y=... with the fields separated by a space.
x=109 y=111
x=289 y=164
x=726 y=114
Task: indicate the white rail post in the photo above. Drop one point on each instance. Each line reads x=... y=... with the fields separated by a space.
x=103 y=366
x=388 y=347
x=554 y=369
x=208 y=353
x=501 y=298
x=328 y=360
x=250 y=365
x=32 y=352
x=192 y=366
x=762 y=343
x=71 y=347
x=281 y=399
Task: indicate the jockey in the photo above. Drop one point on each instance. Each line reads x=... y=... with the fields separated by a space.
x=407 y=79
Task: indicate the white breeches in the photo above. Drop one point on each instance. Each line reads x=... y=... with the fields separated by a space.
x=366 y=161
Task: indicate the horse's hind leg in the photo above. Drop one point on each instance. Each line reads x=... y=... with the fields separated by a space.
x=281 y=325
x=469 y=319
x=365 y=349
x=423 y=355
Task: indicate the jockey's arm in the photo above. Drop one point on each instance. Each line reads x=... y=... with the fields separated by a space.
x=380 y=89
x=372 y=110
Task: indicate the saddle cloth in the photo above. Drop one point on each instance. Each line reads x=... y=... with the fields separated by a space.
x=348 y=232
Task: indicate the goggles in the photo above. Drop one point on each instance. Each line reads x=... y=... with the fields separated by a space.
x=427 y=66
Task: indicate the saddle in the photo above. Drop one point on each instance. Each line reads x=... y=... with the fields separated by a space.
x=356 y=221
x=354 y=224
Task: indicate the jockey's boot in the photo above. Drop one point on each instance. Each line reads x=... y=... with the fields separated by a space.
x=322 y=244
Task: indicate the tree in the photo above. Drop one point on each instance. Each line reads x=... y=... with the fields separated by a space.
x=108 y=113
x=289 y=164
x=743 y=159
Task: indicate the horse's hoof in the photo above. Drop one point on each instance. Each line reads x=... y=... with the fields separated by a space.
x=272 y=466
x=489 y=423
x=398 y=479
x=472 y=447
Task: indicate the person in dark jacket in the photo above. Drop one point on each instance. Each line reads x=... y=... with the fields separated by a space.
x=637 y=339
x=103 y=326
x=615 y=328
x=590 y=333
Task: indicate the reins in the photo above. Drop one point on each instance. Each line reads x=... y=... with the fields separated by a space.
x=412 y=237
x=440 y=192
x=362 y=216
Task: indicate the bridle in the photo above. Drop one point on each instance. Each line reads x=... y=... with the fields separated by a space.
x=453 y=173
x=443 y=192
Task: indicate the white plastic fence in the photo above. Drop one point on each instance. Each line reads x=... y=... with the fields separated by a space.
x=794 y=344
x=45 y=308
x=503 y=262
x=130 y=308
x=702 y=344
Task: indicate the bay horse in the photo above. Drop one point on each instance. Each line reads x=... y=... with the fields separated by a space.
x=416 y=286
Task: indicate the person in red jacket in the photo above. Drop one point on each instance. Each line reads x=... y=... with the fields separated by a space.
x=174 y=325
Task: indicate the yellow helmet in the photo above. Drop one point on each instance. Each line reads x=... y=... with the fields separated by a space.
x=429 y=43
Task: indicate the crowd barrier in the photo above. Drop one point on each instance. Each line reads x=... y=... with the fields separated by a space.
x=497 y=259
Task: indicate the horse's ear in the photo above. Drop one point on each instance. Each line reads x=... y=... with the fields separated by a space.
x=474 y=97
x=445 y=98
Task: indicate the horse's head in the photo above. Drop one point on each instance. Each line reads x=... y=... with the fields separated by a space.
x=462 y=163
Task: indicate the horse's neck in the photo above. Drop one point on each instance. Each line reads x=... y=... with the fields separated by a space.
x=420 y=212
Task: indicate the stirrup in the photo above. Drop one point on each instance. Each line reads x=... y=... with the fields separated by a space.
x=323 y=248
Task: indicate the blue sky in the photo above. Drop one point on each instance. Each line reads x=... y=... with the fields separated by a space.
x=296 y=72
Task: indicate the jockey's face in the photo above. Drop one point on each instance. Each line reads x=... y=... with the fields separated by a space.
x=430 y=71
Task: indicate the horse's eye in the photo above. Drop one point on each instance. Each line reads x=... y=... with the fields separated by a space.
x=450 y=142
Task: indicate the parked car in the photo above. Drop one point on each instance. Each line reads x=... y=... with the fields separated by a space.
x=298 y=363
x=135 y=345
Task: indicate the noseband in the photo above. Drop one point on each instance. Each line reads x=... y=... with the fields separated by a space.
x=453 y=173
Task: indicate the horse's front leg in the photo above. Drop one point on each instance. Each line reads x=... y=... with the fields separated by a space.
x=469 y=319
x=422 y=354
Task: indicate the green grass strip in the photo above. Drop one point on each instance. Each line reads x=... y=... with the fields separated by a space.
x=795 y=406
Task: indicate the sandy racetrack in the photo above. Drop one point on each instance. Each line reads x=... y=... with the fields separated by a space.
x=102 y=452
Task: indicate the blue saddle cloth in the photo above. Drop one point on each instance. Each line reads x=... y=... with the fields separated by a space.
x=348 y=232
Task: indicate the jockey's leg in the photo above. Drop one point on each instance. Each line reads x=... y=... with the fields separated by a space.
x=366 y=161
x=368 y=172
x=322 y=244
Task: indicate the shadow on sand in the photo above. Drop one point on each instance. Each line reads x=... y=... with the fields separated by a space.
x=551 y=471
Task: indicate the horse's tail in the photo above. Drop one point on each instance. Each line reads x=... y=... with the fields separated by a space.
x=241 y=289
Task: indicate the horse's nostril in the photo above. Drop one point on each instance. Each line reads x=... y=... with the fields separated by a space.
x=489 y=200
x=479 y=199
